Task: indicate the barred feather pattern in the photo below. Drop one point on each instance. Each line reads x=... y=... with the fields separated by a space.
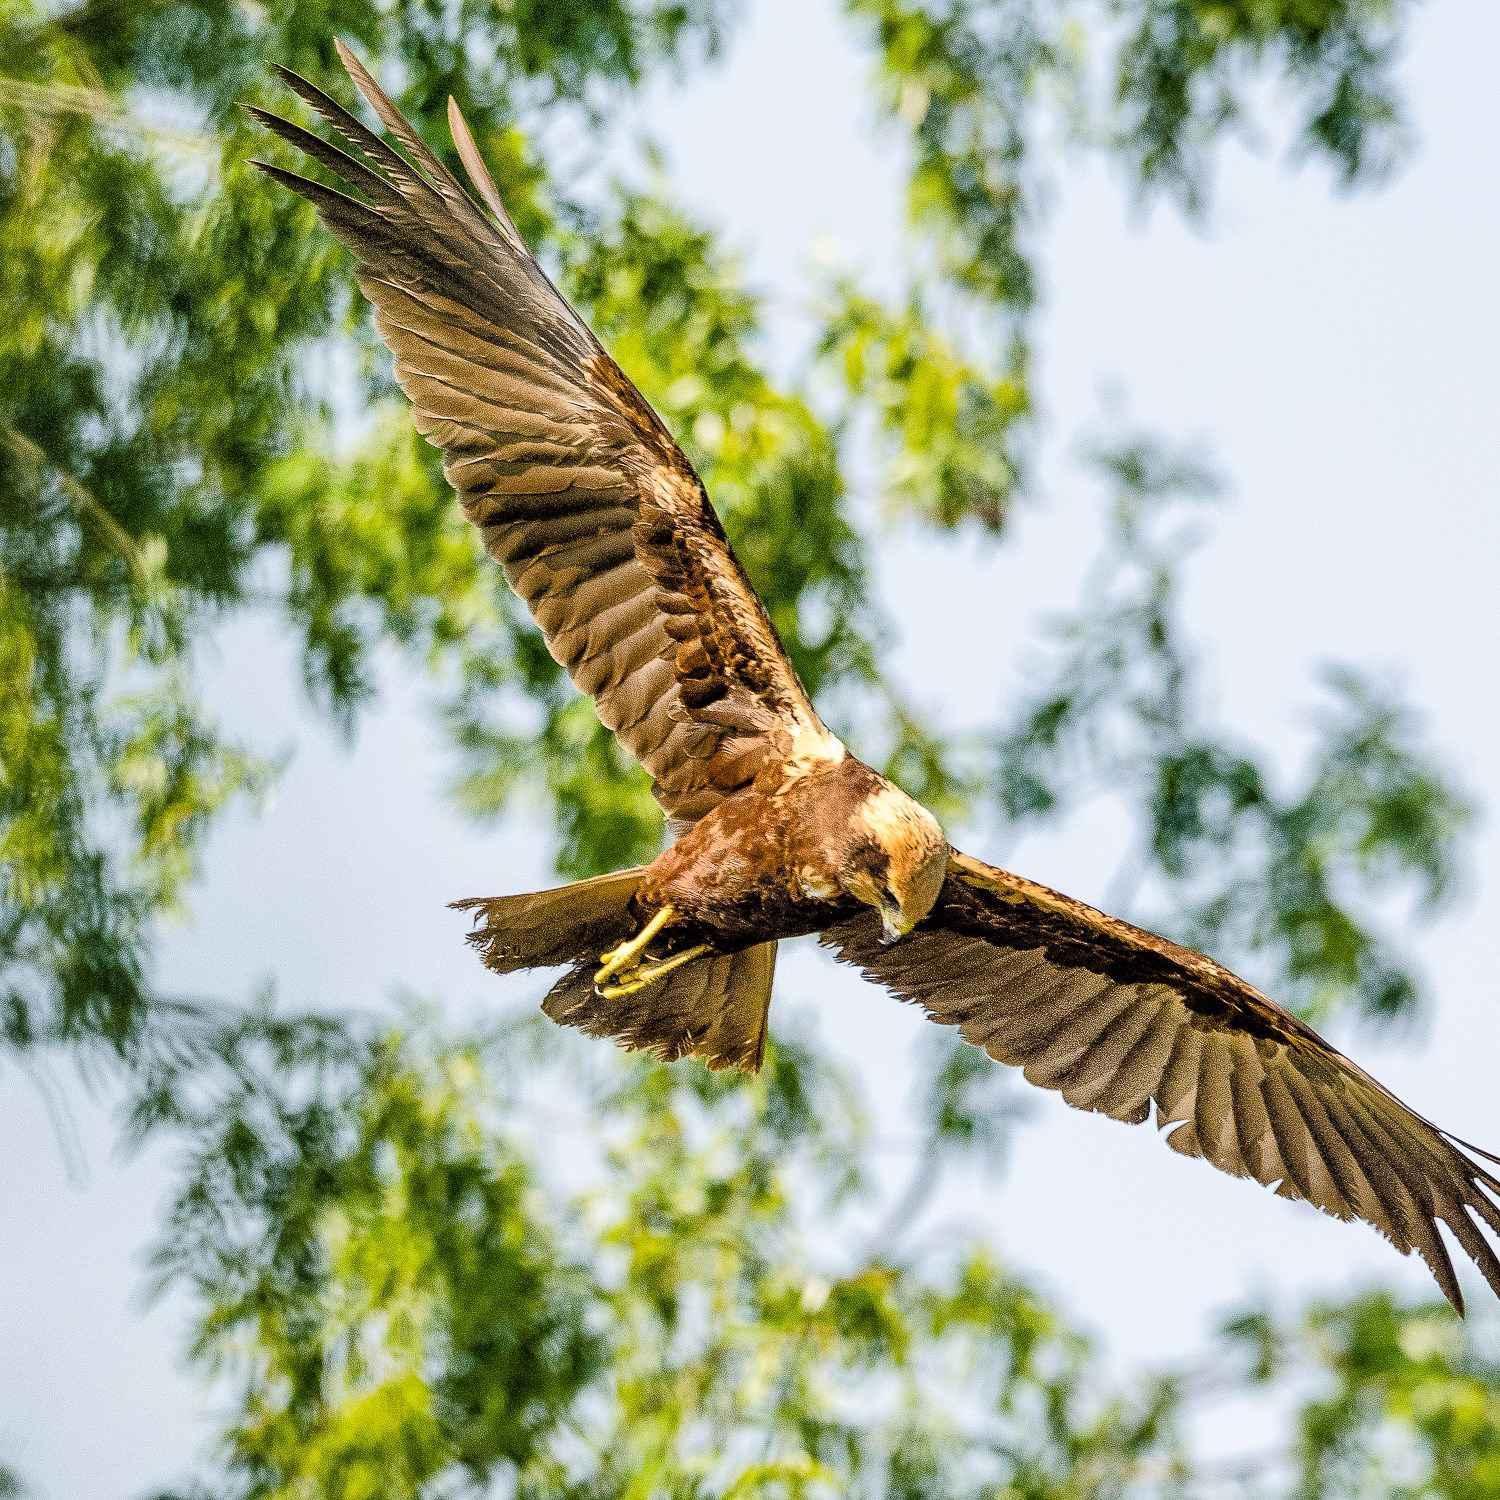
x=580 y=493
x=1123 y=1022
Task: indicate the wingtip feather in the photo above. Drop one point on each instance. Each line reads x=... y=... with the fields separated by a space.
x=375 y=96
x=478 y=172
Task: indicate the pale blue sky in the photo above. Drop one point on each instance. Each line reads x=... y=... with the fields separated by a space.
x=1336 y=354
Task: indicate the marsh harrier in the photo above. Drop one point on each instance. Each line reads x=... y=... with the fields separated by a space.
x=605 y=531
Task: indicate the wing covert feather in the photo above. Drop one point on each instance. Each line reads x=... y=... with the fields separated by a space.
x=579 y=492
x=1123 y=1022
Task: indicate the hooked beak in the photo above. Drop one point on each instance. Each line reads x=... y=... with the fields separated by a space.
x=894 y=924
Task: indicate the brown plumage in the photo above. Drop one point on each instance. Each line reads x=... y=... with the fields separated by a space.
x=605 y=531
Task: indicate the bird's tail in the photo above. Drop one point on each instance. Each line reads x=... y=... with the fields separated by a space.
x=714 y=1009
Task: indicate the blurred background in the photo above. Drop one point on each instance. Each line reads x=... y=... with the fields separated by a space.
x=1100 y=392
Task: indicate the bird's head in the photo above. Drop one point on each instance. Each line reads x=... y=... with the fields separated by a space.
x=896 y=859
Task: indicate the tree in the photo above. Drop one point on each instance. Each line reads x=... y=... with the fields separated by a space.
x=357 y=1211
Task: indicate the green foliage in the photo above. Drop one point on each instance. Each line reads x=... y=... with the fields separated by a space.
x=347 y=1213
x=181 y=441
x=1404 y=1405
x=1184 y=71
x=405 y=1300
x=985 y=90
x=960 y=77
x=405 y=1308
x=196 y=423
x=945 y=423
x=173 y=354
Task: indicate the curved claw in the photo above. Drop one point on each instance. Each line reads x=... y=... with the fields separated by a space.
x=629 y=951
x=647 y=974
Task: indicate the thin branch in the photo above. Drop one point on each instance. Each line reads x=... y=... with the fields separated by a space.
x=89 y=506
x=907 y=1208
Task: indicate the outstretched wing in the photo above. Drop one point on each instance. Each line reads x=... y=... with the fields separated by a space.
x=1117 y=1019
x=580 y=492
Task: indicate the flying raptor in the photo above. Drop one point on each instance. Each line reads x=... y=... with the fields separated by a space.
x=605 y=531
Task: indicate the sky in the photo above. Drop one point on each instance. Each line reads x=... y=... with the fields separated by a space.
x=1336 y=356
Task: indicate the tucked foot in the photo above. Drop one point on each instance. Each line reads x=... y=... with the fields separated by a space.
x=645 y=974
x=629 y=952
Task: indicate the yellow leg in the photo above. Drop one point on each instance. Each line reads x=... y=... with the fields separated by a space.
x=644 y=974
x=617 y=958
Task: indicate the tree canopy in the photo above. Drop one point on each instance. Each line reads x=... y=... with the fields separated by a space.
x=196 y=425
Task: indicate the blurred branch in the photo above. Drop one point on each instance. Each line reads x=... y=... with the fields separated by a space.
x=95 y=104
x=91 y=509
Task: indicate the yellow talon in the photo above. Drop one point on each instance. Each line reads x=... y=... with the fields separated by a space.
x=646 y=974
x=627 y=952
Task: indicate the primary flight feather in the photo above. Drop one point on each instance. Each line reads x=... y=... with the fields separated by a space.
x=605 y=531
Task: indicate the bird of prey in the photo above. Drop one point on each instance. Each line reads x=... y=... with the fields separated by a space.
x=605 y=531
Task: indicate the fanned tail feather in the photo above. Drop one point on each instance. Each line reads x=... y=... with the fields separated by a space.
x=561 y=926
x=714 y=1009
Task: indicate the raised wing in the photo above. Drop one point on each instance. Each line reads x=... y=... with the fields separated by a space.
x=1117 y=1020
x=597 y=517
